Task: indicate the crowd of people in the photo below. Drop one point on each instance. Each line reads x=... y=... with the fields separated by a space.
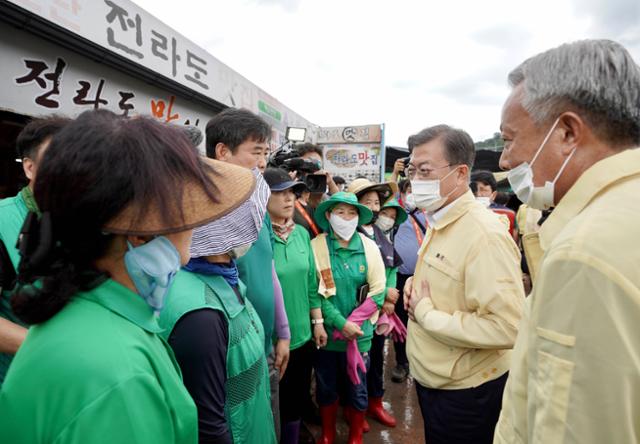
x=152 y=294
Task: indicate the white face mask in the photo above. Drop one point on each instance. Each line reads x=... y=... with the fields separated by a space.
x=344 y=229
x=521 y=180
x=426 y=193
x=240 y=251
x=410 y=202
x=385 y=223
x=485 y=201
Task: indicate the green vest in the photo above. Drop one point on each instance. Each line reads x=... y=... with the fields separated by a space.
x=247 y=406
x=97 y=372
x=13 y=211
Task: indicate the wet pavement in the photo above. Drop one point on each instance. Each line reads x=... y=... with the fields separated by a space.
x=401 y=400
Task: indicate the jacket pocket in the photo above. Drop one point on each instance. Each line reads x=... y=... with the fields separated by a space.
x=552 y=389
x=444 y=268
x=447 y=286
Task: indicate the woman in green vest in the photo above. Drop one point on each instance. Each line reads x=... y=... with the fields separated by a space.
x=119 y=198
x=216 y=334
x=296 y=271
x=352 y=286
x=376 y=197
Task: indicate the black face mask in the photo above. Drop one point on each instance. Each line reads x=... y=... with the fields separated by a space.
x=375 y=217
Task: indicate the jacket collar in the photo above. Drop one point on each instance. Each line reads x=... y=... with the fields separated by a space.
x=123 y=302
x=591 y=183
x=455 y=210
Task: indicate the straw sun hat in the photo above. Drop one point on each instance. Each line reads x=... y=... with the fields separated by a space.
x=364 y=213
x=362 y=186
x=235 y=185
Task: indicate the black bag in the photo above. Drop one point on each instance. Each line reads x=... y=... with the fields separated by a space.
x=363 y=291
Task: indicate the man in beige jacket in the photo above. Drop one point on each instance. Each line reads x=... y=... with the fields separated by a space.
x=465 y=300
x=571 y=127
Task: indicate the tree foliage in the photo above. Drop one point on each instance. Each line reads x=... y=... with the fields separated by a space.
x=495 y=143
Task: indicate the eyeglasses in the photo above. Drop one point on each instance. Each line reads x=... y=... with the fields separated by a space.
x=411 y=171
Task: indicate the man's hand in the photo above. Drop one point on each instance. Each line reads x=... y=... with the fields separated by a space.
x=398 y=169
x=392 y=295
x=351 y=330
x=319 y=335
x=418 y=295
x=408 y=288
x=331 y=185
x=398 y=166
x=388 y=307
x=282 y=356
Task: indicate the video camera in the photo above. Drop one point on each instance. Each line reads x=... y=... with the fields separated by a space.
x=288 y=158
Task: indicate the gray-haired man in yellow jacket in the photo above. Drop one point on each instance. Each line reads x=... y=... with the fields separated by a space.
x=466 y=298
x=572 y=128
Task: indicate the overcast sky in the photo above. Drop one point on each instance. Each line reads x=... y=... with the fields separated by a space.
x=408 y=64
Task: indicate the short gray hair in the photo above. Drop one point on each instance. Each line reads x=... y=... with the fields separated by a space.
x=597 y=78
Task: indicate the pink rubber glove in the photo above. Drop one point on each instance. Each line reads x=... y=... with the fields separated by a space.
x=354 y=358
x=399 y=331
x=354 y=361
x=383 y=326
x=363 y=312
x=391 y=325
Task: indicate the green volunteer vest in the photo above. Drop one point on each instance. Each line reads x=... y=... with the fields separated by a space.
x=248 y=406
x=13 y=211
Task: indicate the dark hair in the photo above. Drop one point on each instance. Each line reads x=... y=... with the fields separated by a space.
x=194 y=134
x=485 y=178
x=338 y=180
x=403 y=185
x=234 y=127
x=304 y=148
x=98 y=165
x=502 y=198
x=36 y=132
x=411 y=143
x=459 y=147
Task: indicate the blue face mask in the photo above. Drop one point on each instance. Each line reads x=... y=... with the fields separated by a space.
x=152 y=268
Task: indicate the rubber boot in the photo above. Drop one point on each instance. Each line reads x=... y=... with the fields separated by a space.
x=347 y=418
x=328 y=416
x=355 y=427
x=377 y=412
x=290 y=432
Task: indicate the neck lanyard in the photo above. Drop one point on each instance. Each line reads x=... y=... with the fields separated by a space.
x=308 y=219
x=419 y=235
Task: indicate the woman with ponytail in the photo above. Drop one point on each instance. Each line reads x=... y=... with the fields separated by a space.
x=119 y=199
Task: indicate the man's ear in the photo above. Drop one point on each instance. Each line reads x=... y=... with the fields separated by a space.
x=463 y=174
x=29 y=168
x=222 y=151
x=574 y=131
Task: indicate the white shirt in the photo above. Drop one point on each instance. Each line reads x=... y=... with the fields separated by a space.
x=439 y=214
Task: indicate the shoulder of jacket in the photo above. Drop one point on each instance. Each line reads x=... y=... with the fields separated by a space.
x=8 y=201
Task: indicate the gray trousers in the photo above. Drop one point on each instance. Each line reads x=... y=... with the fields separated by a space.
x=274 y=381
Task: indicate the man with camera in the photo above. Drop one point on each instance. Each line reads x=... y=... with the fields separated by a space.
x=304 y=162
